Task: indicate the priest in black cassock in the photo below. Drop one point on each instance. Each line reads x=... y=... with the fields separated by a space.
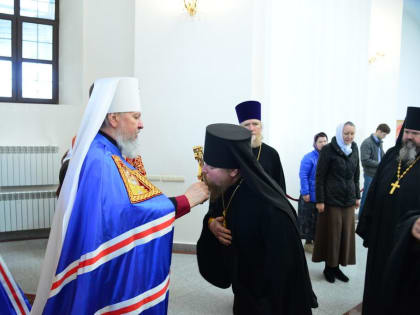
x=264 y=259
x=249 y=116
x=389 y=227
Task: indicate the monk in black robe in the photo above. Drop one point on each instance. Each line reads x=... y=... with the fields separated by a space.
x=263 y=259
x=393 y=193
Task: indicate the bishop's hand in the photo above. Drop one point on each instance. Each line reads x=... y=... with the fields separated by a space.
x=197 y=193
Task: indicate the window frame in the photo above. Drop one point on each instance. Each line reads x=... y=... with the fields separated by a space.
x=17 y=60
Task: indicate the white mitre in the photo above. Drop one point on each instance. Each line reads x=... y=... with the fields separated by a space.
x=126 y=97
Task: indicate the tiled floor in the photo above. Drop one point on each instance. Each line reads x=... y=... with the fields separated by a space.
x=192 y=295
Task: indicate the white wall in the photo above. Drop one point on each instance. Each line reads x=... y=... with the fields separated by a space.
x=71 y=52
x=192 y=72
x=318 y=75
x=108 y=45
x=383 y=76
x=409 y=83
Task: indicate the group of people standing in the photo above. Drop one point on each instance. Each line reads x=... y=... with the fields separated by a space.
x=390 y=226
x=329 y=187
x=389 y=215
x=110 y=244
x=330 y=194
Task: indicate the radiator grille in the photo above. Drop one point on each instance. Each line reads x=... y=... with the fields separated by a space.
x=28 y=178
x=28 y=166
x=26 y=210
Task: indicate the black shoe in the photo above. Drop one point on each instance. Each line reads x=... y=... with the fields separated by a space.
x=329 y=275
x=340 y=275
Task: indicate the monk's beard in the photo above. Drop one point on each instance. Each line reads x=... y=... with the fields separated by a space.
x=130 y=148
x=256 y=140
x=408 y=152
x=216 y=191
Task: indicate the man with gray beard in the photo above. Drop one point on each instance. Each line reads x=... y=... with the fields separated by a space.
x=249 y=116
x=390 y=227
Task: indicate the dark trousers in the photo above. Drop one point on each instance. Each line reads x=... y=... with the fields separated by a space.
x=366 y=186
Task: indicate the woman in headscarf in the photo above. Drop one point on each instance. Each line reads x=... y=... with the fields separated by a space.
x=337 y=197
x=307 y=213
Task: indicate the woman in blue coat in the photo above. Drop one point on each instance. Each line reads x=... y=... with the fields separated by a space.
x=307 y=213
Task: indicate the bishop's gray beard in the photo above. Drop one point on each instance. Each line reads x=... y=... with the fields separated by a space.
x=408 y=152
x=130 y=148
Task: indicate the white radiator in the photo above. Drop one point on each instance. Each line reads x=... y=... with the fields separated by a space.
x=23 y=204
x=28 y=166
x=26 y=210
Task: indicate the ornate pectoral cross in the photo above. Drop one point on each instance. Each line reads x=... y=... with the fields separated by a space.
x=394 y=186
x=198 y=155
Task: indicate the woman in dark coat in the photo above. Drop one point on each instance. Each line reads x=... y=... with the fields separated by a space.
x=338 y=195
x=307 y=213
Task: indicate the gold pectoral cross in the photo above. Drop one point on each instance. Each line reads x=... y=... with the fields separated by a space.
x=394 y=186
